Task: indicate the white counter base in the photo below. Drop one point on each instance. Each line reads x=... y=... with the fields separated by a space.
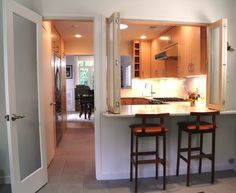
x=115 y=142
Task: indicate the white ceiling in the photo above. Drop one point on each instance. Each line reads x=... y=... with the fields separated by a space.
x=68 y=28
x=137 y=28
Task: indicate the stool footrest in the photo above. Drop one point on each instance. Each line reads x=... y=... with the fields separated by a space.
x=202 y=155
x=192 y=149
x=144 y=153
x=149 y=161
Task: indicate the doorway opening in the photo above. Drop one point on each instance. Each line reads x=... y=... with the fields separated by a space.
x=72 y=42
x=77 y=36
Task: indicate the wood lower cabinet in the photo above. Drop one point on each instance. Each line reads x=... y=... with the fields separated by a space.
x=126 y=101
x=134 y=101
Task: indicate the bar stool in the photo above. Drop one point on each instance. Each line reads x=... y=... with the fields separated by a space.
x=148 y=130
x=197 y=127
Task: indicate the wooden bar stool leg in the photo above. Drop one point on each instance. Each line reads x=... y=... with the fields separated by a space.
x=164 y=161
x=131 y=155
x=136 y=165
x=178 y=151
x=189 y=157
x=200 y=159
x=213 y=157
x=157 y=156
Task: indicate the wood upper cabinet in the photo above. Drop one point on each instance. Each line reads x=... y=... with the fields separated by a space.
x=192 y=51
x=145 y=54
x=192 y=54
x=141 y=59
x=158 y=68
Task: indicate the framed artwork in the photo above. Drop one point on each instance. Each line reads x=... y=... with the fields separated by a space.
x=69 y=72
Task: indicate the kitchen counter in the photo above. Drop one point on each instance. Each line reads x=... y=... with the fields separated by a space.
x=174 y=108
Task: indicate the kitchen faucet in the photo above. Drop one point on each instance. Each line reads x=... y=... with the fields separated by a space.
x=147 y=85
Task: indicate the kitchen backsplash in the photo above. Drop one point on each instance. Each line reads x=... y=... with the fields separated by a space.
x=166 y=87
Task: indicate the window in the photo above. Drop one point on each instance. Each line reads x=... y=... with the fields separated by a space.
x=85 y=71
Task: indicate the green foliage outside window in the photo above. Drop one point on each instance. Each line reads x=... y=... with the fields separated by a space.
x=85 y=68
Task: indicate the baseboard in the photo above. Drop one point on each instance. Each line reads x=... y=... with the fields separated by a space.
x=170 y=172
x=5 y=180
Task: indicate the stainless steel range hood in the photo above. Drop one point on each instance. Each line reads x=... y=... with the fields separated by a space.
x=170 y=53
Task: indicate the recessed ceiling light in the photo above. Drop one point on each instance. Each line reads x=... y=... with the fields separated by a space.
x=165 y=38
x=143 y=37
x=78 y=35
x=123 y=26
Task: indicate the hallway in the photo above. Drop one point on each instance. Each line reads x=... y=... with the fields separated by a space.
x=73 y=165
x=73 y=171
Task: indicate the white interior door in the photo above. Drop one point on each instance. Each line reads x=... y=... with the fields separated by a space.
x=22 y=54
x=113 y=63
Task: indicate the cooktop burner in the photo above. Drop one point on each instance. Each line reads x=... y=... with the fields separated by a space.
x=169 y=99
x=156 y=102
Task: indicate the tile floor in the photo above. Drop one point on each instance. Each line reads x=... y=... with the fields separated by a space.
x=73 y=171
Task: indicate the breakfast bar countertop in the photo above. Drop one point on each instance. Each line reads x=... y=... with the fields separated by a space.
x=174 y=108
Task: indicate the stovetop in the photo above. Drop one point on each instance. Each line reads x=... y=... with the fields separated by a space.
x=169 y=99
x=165 y=100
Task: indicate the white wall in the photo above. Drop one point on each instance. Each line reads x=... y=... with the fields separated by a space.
x=4 y=159
x=115 y=142
x=70 y=85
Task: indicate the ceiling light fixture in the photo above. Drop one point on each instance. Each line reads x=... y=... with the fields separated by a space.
x=78 y=35
x=123 y=26
x=143 y=37
x=165 y=38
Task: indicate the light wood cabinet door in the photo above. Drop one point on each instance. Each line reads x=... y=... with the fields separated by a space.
x=134 y=101
x=195 y=52
x=190 y=50
x=145 y=59
x=126 y=101
x=140 y=101
x=171 y=68
x=158 y=68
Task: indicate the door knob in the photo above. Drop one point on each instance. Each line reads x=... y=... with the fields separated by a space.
x=15 y=117
x=52 y=103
